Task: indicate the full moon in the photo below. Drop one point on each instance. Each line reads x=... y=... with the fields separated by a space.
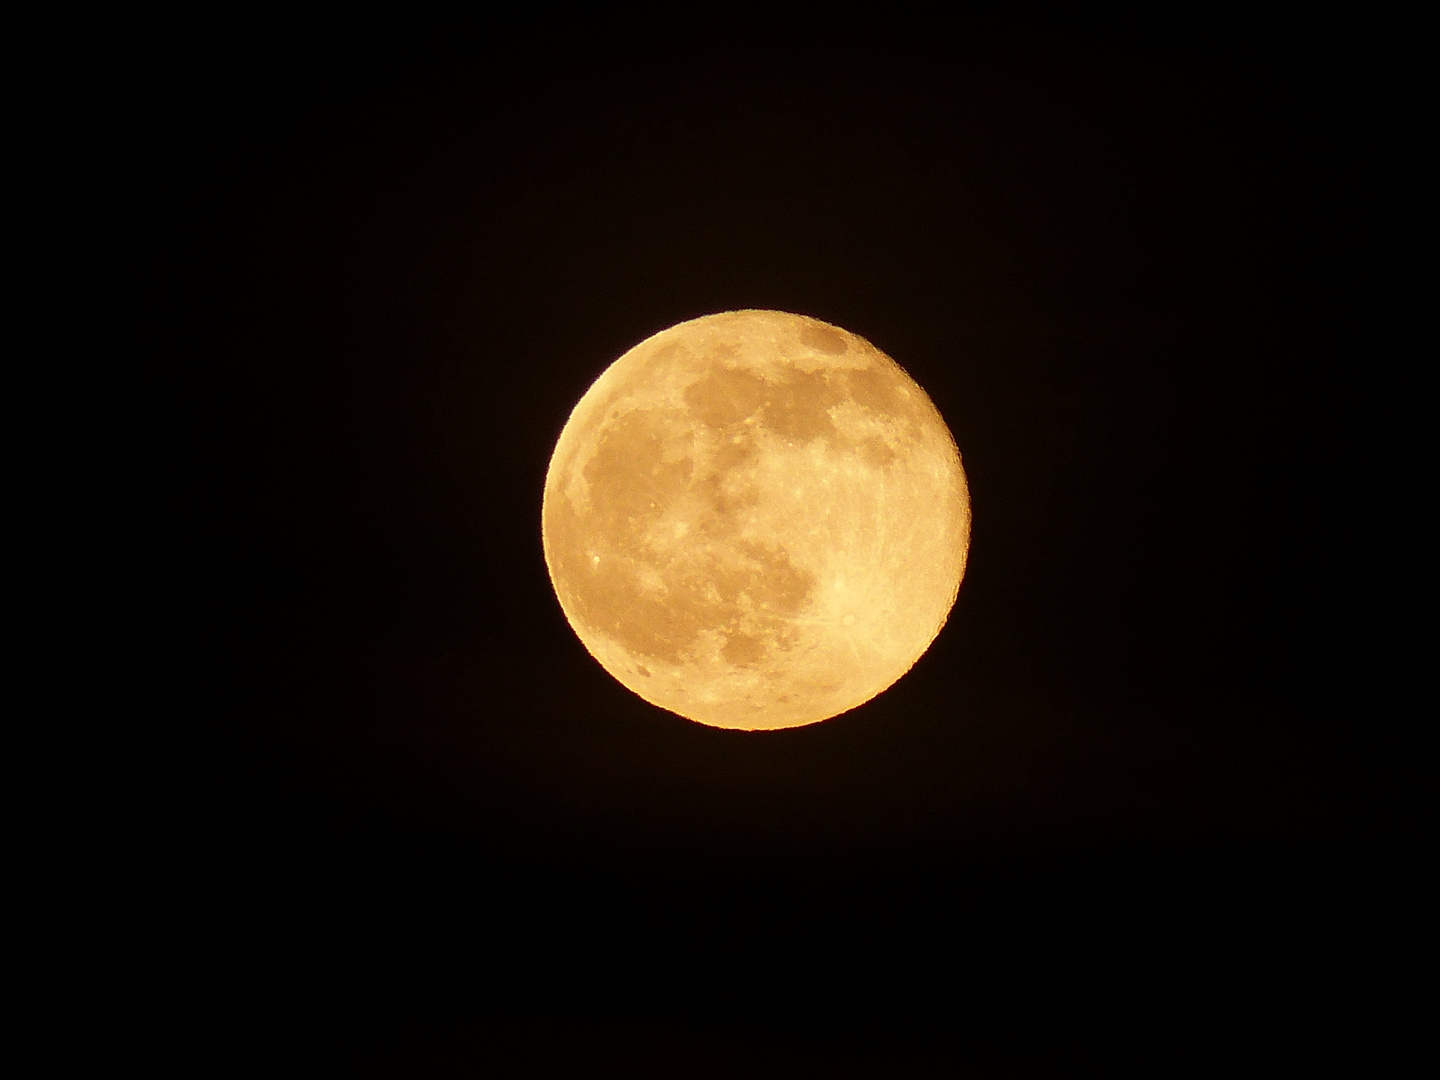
x=756 y=520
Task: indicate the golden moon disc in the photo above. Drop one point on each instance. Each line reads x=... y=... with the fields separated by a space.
x=756 y=520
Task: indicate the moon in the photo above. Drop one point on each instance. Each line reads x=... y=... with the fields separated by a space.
x=756 y=520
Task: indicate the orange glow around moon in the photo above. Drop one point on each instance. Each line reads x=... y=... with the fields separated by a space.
x=756 y=520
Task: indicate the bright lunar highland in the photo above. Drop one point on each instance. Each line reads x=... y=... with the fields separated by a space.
x=756 y=520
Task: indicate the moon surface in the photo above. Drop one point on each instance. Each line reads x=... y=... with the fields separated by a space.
x=756 y=520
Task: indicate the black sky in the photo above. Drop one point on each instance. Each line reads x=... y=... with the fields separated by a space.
x=1156 y=799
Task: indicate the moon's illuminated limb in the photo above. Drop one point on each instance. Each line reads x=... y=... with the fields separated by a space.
x=756 y=520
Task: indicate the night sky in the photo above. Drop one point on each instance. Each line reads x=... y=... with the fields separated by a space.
x=1155 y=802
